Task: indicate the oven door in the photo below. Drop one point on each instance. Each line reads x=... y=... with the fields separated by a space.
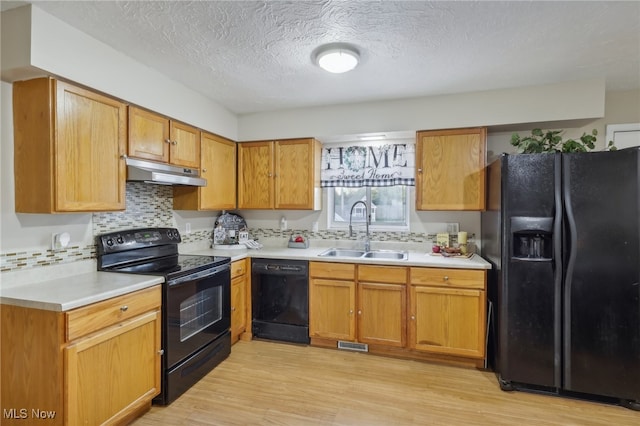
x=197 y=311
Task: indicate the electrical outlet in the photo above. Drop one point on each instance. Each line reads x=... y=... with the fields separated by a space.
x=453 y=228
x=60 y=241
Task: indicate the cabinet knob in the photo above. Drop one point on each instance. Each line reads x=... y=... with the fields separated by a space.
x=167 y=141
x=174 y=142
x=446 y=278
x=350 y=311
x=204 y=170
x=124 y=308
x=419 y=170
x=413 y=317
x=123 y=157
x=359 y=312
x=233 y=309
x=269 y=175
x=161 y=352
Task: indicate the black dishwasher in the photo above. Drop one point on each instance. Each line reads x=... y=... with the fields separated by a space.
x=280 y=300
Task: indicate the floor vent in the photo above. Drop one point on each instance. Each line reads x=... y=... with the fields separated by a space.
x=350 y=346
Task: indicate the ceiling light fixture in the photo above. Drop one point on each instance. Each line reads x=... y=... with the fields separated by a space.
x=337 y=57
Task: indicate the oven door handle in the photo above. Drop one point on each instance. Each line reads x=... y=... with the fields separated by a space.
x=198 y=275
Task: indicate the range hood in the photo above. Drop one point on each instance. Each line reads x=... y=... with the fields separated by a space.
x=162 y=174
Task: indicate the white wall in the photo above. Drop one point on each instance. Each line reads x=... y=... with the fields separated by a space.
x=571 y=101
x=56 y=48
x=621 y=107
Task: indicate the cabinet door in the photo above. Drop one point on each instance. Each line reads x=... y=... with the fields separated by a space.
x=238 y=307
x=331 y=309
x=255 y=175
x=450 y=169
x=148 y=135
x=90 y=142
x=295 y=173
x=448 y=321
x=114 y=371
x=382 y=314
x=184 y=149
x=218 y=160
x=218 y=167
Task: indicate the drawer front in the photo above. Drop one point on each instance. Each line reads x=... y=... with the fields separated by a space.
x=344 y=271
x=464 y=278
x=382 y=274
x=96 y=316
x=239 y=267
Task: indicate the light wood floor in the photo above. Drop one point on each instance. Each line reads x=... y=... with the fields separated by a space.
x=266 y=383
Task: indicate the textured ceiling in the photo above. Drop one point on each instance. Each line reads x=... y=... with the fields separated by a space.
x=253 y=56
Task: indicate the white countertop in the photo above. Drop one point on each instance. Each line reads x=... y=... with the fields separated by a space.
x=415 y=258
x=63 y=294
x=48 y=288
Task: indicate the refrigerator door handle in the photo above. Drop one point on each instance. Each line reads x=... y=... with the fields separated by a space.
x=557 y=269
x=571 y=241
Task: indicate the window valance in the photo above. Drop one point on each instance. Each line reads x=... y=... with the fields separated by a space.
x=359 y=164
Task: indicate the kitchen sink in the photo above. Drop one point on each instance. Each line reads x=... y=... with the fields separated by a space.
x=334 y=252
x=373 y=254
x=386 y=254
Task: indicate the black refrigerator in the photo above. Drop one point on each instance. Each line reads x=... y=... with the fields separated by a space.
x=562 y=232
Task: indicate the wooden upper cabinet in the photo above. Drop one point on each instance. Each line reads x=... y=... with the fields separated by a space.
x=158 y=138
x=185 y=145
x=297 y=174
x=450 y=169
x=218 y=167
x=69 y=145
x=255 y=175
x=279 y=174
x=148 y=135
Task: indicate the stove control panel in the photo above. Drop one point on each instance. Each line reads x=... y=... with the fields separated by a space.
x=136 y=238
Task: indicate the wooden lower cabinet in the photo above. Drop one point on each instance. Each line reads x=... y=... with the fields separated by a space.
x=240 y=299
x=448 y=311
x=341 y=307
x=99 y=364
x=332 y=300
x=413 y=312
x=382 y=305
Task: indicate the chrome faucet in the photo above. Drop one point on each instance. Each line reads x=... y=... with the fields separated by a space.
x=367 y=240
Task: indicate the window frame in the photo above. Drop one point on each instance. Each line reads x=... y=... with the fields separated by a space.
x=333 y=225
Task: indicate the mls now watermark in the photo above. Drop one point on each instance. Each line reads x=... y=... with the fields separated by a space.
x=25 y=413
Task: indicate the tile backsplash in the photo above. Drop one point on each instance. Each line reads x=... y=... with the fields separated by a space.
x=147 y=205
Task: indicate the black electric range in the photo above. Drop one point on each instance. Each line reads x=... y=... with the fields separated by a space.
x=196 y=301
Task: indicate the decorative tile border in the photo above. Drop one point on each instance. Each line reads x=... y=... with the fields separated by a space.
x=270 y=233
x=22 y=260
x=410 y=237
